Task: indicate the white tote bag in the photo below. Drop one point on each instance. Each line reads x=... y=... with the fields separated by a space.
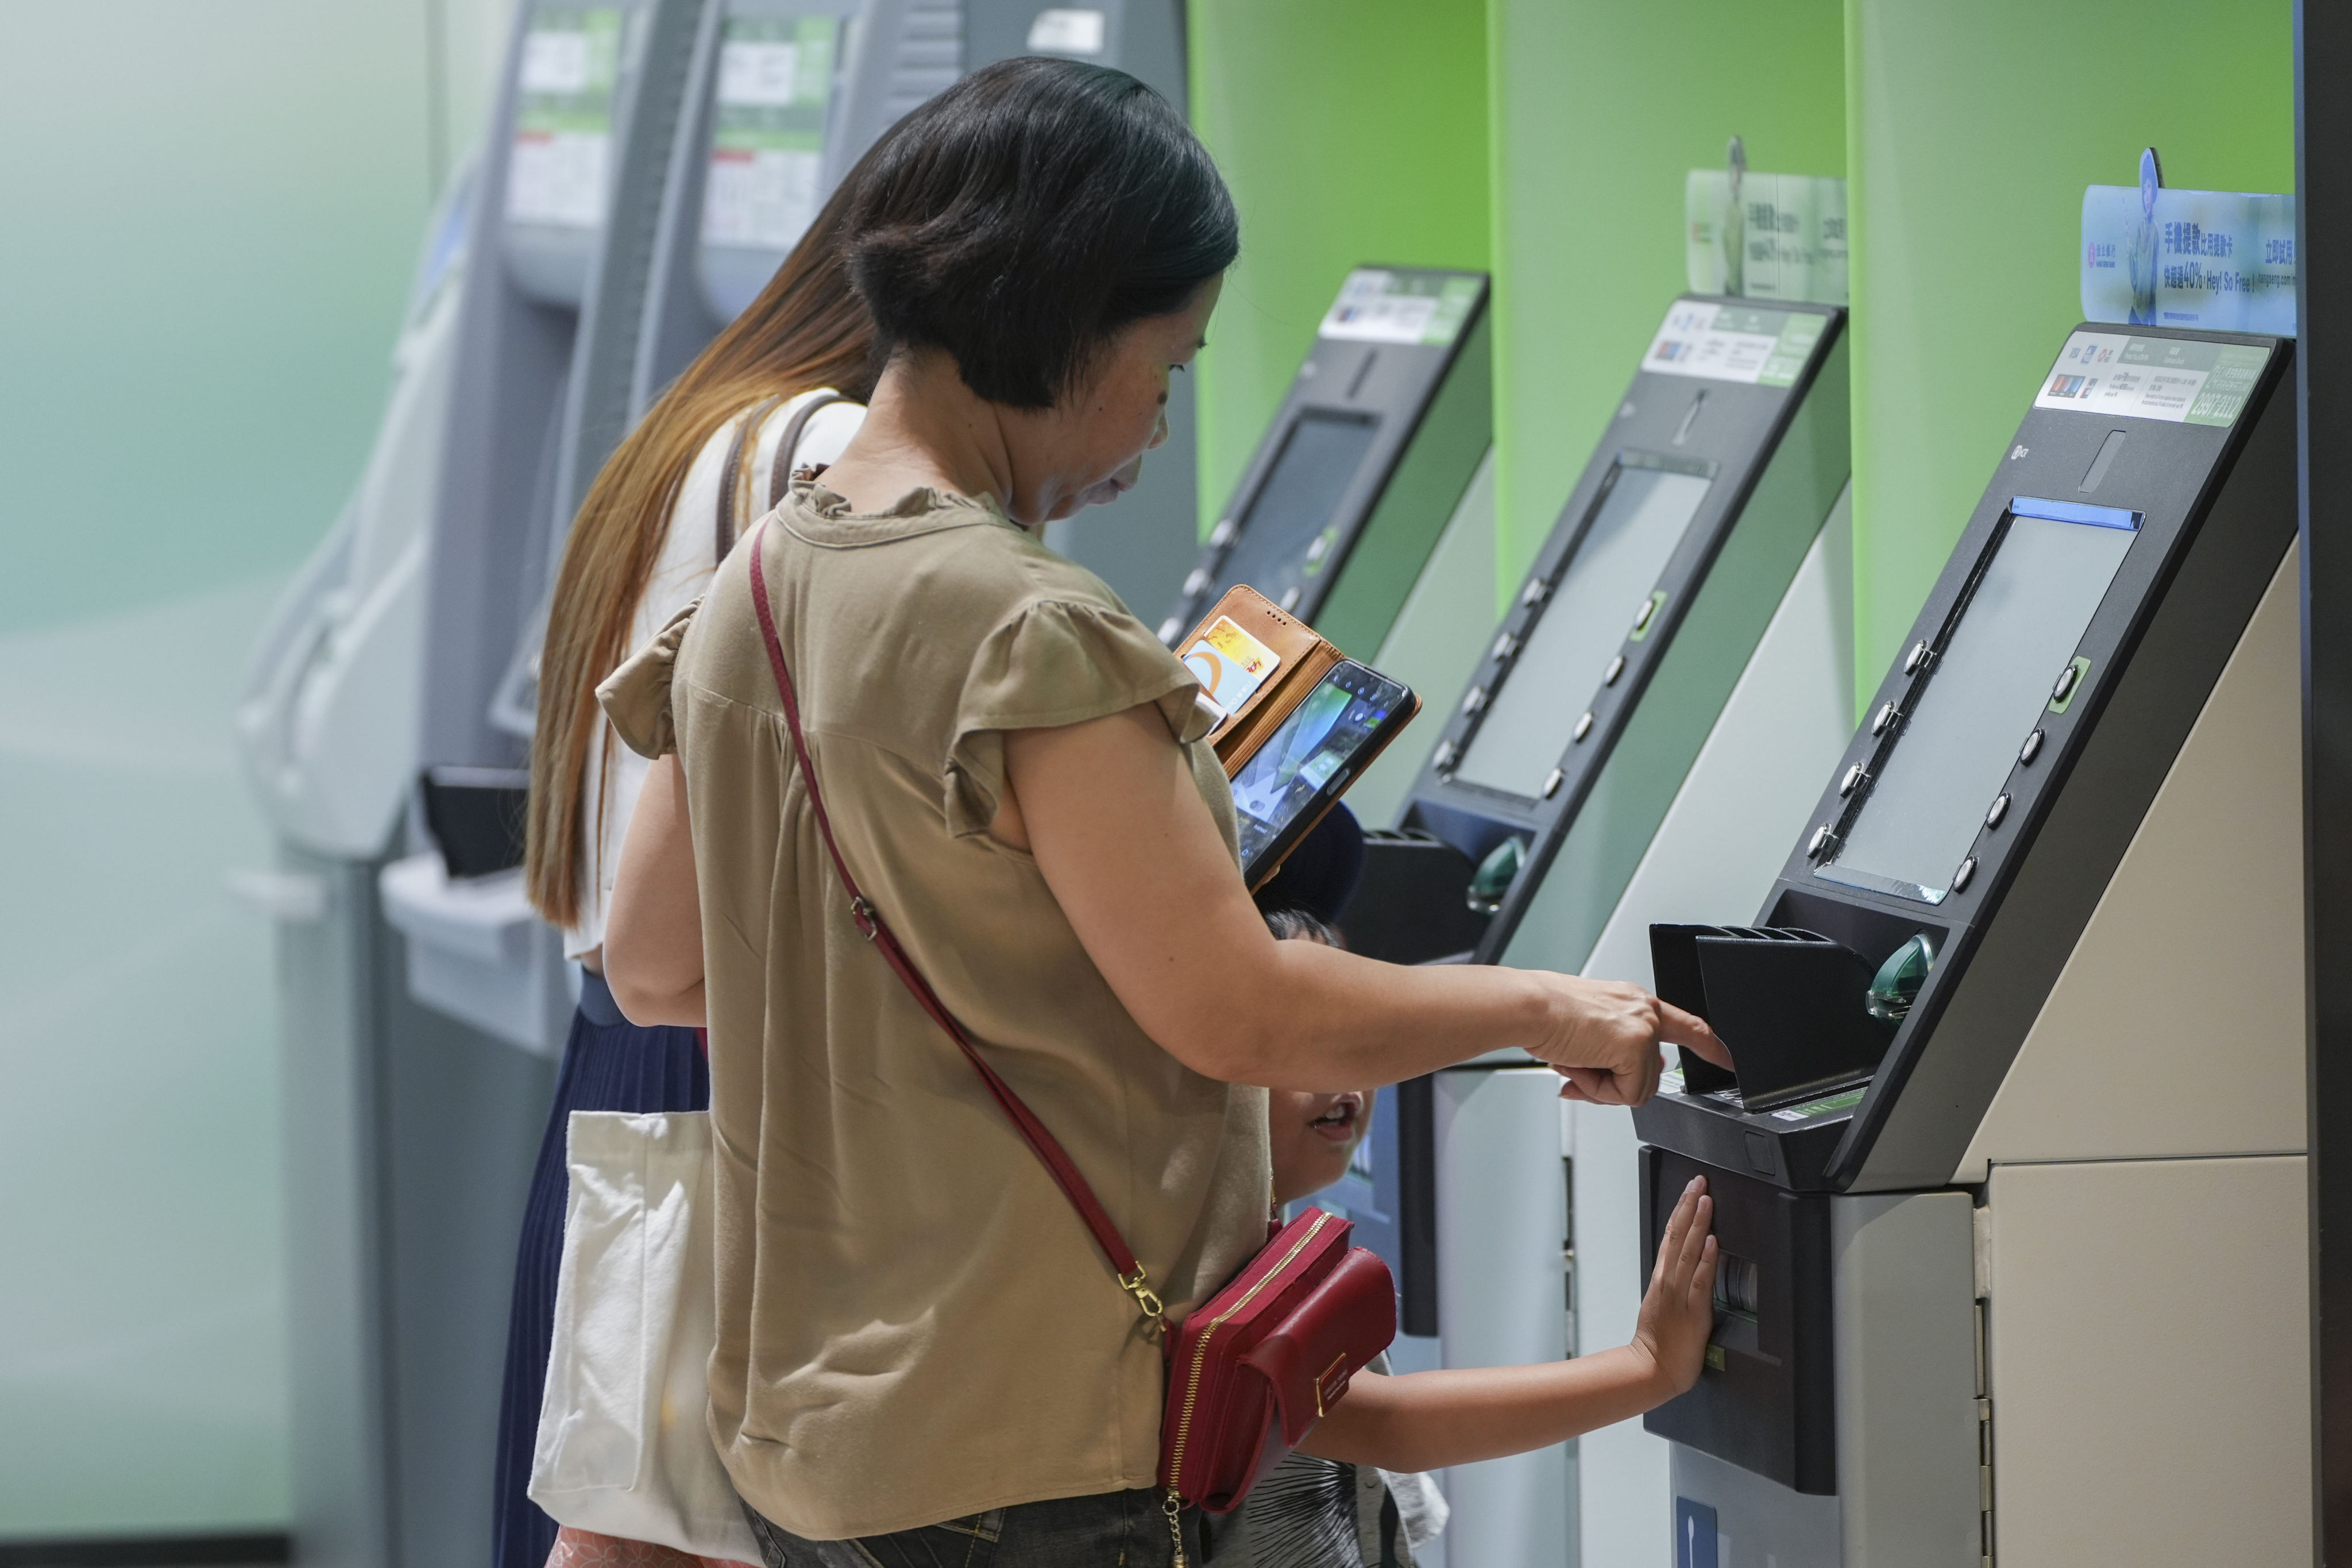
x=623 y=1444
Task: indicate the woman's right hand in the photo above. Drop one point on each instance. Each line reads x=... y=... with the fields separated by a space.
x=1605 y=1038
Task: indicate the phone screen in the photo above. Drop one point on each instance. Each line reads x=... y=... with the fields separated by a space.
x=1325 y=734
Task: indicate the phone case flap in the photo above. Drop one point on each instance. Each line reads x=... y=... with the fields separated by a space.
x=1304 y=658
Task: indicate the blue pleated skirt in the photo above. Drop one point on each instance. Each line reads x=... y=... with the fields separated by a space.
x=609 y=1064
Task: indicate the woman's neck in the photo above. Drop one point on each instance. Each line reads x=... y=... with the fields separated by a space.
x=925 y=427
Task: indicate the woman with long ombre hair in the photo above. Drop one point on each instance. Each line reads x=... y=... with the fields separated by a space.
x=783 y=386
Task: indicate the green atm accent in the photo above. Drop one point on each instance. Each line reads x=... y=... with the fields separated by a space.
x=1599 y=108
x=1347 y=131
x=1637 y=785
x=1422 y=496
x=1966 y=199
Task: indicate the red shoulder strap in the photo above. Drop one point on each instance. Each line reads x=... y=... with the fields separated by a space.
x=870 y=924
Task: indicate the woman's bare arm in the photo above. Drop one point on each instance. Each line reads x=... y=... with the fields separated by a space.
x=652 y=932
x=1427 y=1420
x=1121 y=835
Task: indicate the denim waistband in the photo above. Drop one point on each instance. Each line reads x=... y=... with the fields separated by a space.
x=596 y=1004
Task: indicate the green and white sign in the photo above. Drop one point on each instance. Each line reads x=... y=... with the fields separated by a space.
x=2179 y=380
x=766 y=177
x=1733 y=342
x=1381 y=307
x=559 y=163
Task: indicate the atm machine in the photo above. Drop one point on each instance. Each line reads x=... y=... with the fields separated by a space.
x=1343 y=503
x=754 y=110
x=784 y=96
x=1368 y=509
x=1698 y=558
x=411 y=1129
x=2010 y=1179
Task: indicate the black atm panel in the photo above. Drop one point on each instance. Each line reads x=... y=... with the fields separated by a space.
x=2010 y=755
x=1346 y=496
x=1767 y=1399
x=1723 y=452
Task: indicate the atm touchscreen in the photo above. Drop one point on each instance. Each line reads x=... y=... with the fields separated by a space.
x=2051 y=565
x=1644 y=509
x=1311 y=473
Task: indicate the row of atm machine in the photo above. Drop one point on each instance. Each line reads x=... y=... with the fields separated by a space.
x=2010 y=1177
x=646 y=166
x=2014 y=974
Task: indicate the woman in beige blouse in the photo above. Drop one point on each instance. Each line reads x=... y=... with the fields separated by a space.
x=922 y=1356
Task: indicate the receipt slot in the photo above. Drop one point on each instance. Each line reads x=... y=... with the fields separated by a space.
x=1963 y=944
x=1344 y=500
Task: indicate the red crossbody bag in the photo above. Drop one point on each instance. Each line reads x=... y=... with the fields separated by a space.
x=1251 y=1369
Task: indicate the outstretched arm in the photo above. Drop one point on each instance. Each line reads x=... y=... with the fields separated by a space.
x=1426 y=1420
x=1110 y=811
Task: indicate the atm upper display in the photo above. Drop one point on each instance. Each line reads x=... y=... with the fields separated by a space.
x=1319 y=458
x=1984 y=693
x=1640 y=516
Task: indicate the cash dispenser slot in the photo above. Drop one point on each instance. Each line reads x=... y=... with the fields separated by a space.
x=1765 y=1398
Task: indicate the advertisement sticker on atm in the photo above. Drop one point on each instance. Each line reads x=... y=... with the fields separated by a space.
x=1733 y=342
x=2178 y=380
x=1230 y=665
x=1377 y=306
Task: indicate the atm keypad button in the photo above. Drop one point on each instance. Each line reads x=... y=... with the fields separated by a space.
x=1222 y=534
x=2066 y=679
x=2030 y=749
x=1475 y=700
x=1917 y=659
x=1583 y=726
x=1616 y=668
x=1552 y=783
x=1999 y=809
x=1854 y=775
x=1536 y=589
x=1819 y=842
x=1960 y=878
x=1883 y=718
x=1504 y=646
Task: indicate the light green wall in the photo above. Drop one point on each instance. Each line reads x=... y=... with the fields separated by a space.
x=1350 y=132
x=1600 y=107
x=1975 y=127
x=208 y=213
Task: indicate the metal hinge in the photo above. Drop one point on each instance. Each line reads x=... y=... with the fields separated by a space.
x=1984 y=1435
x=1984 y=1480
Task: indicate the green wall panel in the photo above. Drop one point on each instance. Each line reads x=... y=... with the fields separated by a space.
x=1350 y=132
x=1975 y=127
x=1600 y=108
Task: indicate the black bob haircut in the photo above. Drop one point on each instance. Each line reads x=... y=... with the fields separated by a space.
x=1022 y=218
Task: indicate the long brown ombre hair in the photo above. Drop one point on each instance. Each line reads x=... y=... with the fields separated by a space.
x=806 y=330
